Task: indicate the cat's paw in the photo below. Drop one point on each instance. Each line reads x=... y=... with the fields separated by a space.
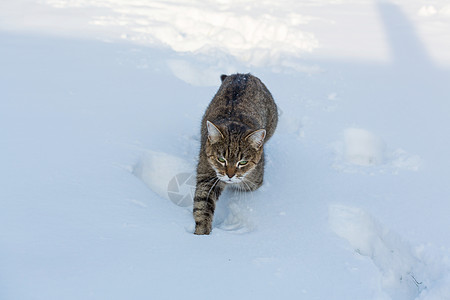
x=202 y=230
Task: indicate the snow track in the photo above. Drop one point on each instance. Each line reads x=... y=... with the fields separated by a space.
x=362 y=151
x=406 y=273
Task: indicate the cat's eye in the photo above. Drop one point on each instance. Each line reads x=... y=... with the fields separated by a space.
x=221 y=159
x=243 y=162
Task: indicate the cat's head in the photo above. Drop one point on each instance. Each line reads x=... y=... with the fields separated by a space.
x=233 y=151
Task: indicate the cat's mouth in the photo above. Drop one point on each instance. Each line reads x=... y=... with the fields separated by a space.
x=228 y=180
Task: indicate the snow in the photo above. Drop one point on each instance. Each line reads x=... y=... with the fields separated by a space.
x=100 y=114
x=430 y=10
x=157 y=169
x=205 y=26
x=405 y=272
x=362 y=147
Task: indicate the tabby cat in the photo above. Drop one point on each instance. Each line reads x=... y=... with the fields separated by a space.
x=241 y=117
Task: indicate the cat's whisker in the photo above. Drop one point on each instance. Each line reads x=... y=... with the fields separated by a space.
x=215 y=183
x=247 y=182
x=238 y=192
x=211 y=180
x=249 y=189
x=242 y=193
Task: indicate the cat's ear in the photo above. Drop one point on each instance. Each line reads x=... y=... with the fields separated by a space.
x=214 y=134
x=222 y=77
x=256 y=138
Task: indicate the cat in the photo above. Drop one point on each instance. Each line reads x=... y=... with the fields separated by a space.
x=241 y=117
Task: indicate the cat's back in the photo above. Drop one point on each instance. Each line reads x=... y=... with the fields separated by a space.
x=245 y=99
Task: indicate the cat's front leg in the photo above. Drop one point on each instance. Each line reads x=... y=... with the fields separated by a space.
x=207 y=192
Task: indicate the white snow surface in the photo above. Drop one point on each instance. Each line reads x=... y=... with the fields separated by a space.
x=100 y=112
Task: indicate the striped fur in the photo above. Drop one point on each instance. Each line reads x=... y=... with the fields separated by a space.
x=241 y=117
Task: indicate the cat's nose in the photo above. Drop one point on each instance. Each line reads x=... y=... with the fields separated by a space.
x=231 y=172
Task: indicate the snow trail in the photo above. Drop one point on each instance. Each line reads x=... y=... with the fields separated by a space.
x=405 y=275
